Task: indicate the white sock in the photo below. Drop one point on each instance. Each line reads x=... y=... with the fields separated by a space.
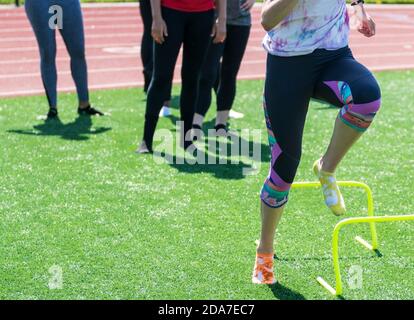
x=198 y=120
x=222 y=117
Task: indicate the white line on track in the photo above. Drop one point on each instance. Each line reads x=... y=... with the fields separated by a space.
x=90 y=20
x=67 y=59
x=5 y=28
x=133 y=84
x=135 y=36
x=388 y=16
x=92 y=46
x=68 y=72
x=88 y=28
x=138 y=69
x=88 y=37
x=72 y=88
x=129 y=52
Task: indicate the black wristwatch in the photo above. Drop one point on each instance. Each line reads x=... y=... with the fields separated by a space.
x=357 y=2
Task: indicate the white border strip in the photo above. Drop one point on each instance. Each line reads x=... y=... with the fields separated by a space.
x=258 y=5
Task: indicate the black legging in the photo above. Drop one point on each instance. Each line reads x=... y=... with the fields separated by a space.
x=147 y=44
x=225 y=76
x=192 y=29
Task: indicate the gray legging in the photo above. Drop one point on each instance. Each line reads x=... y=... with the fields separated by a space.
x=73 y=36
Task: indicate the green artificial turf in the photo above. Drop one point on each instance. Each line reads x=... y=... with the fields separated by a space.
x=120 y=226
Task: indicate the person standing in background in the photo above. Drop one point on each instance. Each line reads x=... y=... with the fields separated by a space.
x=72 y=31
x=147 y=52
x=223 y=77
x=176 y=23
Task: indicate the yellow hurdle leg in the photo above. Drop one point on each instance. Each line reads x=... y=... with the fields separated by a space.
x=335 y=245
x=370 y=203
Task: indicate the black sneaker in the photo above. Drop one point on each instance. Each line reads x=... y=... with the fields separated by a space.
x=197 y=132
x=89 y=111
x=52 y=114
x=221 y=130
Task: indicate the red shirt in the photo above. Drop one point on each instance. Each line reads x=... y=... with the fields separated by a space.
x=189 y=5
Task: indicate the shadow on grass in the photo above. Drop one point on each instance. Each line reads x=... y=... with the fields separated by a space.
x=264 y=147
x=378 y=253
x=325 y=107
x=77 y=130
x=220 y=171
x=284 y=293
x=175 y=102
x=321 y=259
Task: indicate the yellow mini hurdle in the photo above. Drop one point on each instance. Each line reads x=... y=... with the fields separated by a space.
x=370 y=204
x=335 y=245
x=371 y=219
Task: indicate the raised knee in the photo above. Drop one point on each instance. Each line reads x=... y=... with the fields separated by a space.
x=360 y=116
x=366 y=92
x=366 y=102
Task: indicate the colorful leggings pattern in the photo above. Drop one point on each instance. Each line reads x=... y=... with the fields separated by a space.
x=331 y=76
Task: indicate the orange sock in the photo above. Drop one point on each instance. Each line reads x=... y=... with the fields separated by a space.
x=263 y=269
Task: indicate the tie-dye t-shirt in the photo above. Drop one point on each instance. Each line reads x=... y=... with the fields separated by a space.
x=313 y=24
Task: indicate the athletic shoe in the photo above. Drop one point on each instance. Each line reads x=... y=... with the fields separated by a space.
x=165 y=112
x=143 y=149
x=263 y=269
x=235 y=115
x=52 y=114
x=89 y=111
x=331 y=192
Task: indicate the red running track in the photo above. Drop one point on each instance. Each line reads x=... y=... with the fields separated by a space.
x=113 y=36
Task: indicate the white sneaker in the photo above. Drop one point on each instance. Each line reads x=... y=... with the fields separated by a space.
x=235 y=115
x=165 y=112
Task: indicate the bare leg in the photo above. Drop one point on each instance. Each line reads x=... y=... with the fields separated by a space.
x=342 y=140
x=270 y=220
x=263 y=269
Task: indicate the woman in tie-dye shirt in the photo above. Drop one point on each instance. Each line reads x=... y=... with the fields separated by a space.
x=314 y=24
x=309 y=57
